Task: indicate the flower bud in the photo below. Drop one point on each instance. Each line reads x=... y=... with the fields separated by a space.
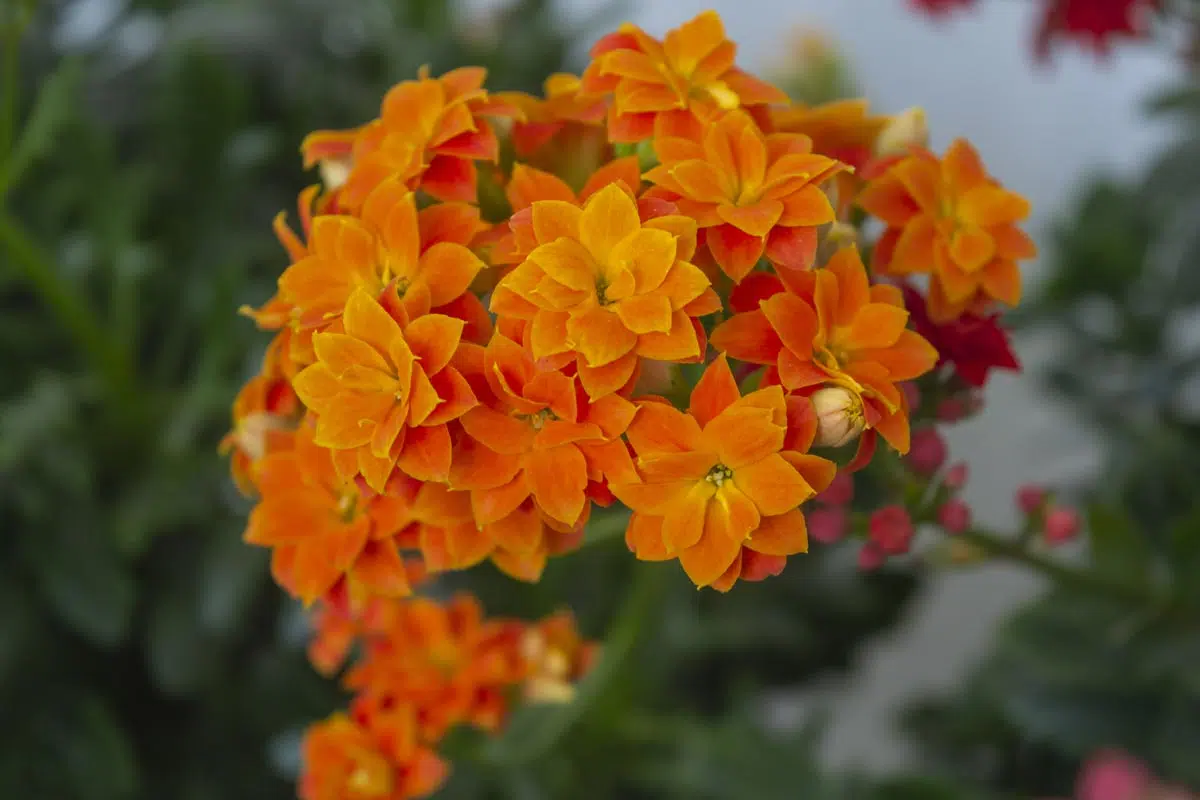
x=839 y=492
x=1061 y=526
x=1030 y=499
x=891 y=530
x=906 y=129
x=954 y=516
x=840 y=418
x=870 y=557
x=927 y=452
x=827 y=525
x=956 y=477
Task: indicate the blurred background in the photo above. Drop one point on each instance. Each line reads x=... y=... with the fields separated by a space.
x=145 y=146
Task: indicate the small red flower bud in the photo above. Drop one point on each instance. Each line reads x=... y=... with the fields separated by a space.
x=956 y=477
x=927 y=452
x=952 y=409
x=839 y=492
x=1062 y=524
x=954 y=516
x=912 y=395
x=827 y=525
x=891 y=530
x=871 y=557
x=1030 y=498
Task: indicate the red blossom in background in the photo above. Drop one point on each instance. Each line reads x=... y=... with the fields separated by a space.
x=974 y=344
x=940 y=8
x=1093 y=23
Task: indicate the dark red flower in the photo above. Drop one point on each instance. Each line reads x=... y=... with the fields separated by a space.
x=939 y=8
x=974 y=344
x=1092 y=23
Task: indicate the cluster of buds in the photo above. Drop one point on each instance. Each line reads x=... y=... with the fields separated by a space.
x=645 y=288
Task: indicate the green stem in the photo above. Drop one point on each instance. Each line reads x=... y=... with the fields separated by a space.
x=649 y=583
x=1070 y=577
x=73 y=313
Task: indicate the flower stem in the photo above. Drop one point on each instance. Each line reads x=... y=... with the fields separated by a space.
x=1070 y=577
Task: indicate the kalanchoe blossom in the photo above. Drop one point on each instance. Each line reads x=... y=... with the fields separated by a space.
x=1093 y=23
x=973 y=344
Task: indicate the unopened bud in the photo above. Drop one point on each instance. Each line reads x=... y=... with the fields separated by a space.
x=955 y=477
x=954 y=516
x=871 y=557
x=827 y=525
x=927 y=452
x=1030 y=499
x=1061 y=525
x=839 y=492
x=906 y=129
x=840 y=418
x=891 y=530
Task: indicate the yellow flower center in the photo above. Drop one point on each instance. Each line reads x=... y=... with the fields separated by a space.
x=347 y=505
x=538 y=421
x=718 y=475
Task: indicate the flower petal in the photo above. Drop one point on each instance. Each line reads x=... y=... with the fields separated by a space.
x=782 y=535
x=716 y=390
x=609 y=216
x=772 y=484
x=600 y=336
x=683 y=519
x=557 y=479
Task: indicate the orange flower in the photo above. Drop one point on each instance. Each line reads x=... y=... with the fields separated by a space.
x=749 y=192
x=423 y=255
x=947 y=217
x=556 y=658
x=604 y=285
x=843 y=129
x=834 y=329
x=716 y=479
x=322 y=527
x=384 y=390
x=563 y=105
x=264 y=415
x=430 y=133
x=536 y=435
x=345 y=761
x=688 y=75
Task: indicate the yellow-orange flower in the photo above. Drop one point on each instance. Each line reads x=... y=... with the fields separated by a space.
x=750 y=193
x=562 y=105
x=430 y=133
x=322 y=527
x=604 y=285
x=384 y=389
x=835 y=329
x=556 y=657
x=716 y=479
x=690 y=74
x=423 y=255
x=343 y=760
x=949 y=218
x=265 y=413
x=534 y=436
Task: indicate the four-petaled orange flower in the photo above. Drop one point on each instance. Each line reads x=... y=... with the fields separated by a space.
x=750 y=192
x=716 y=479
x=947 y=217
x=430 y=133
x=690 y=75
x=835 y=329
x=346 y=761
x=604 y=285
x=536 y=435
x=384 y=389
x=323 y=527
x=424 y=256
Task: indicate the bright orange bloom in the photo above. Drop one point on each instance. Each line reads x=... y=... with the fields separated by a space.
x=834 y=329
x=446 y=660
x=689 y=75
x=716 y=479
x=604 y=285
x=535 y=435
x=384 y=389
x=345 y=761
x=556 y=657
x=265 y=413
x=750 y=193
x=563 y=105
x=322 y=527
x=429 y=134
x=947 y=217
x=423 y=255
x=843 y=129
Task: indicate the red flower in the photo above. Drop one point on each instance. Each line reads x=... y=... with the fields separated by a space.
x=939 y=8
x=1093 y=22
x=974 y=344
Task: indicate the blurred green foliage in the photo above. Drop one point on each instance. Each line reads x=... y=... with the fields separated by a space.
x=144 y=650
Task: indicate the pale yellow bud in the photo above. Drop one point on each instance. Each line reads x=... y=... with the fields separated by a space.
x=840 y=418
x=906 y=129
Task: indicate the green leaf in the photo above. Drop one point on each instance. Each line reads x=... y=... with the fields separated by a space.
x=1183 y=549
x=53 y=108
x=85 y=582
x=1118 y=548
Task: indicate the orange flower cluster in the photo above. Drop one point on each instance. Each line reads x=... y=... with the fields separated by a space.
x=423 y=669
x=460 y=374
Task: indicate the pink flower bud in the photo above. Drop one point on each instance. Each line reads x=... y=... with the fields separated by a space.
x=912 y=395
x=827 y=525
x=952 y=409
x=956 y=477
x=1030 y=499
x=840 y=417
x=1062 y=524
x=891 y=530
x=871 y=557
x=839 y=492
x=954 y=516
x=1113 y=776
x=927 y=452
